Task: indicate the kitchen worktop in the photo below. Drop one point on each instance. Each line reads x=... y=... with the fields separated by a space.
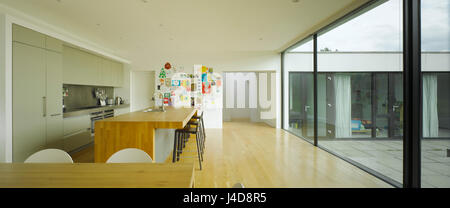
x=84 y=111
x=172 y=118
x=137 y=130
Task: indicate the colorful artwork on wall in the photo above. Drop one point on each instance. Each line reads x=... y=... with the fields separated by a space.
x=175 y=82
x=162 y=74
x=167 y=66
x=168 y=82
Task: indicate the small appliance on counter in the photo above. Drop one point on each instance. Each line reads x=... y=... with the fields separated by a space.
x=119 y=100
x=110 y=101
x=101 y=95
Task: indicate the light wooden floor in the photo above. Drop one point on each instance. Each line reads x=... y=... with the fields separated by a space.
x=260 y=156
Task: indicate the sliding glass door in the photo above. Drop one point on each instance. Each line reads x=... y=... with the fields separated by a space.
x=361 y=56
x=299 y=87
x=301 y=104
x=395 y=95
x=435 y=67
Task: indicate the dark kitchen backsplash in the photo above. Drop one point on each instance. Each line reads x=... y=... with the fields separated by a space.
x=80 y=96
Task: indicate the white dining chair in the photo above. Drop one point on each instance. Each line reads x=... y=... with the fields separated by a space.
x=130 y=155
x=49 y=156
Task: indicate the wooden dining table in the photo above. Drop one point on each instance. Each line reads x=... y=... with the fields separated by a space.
x=96 y=175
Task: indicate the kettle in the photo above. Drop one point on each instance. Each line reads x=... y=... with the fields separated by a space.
x=119 y=100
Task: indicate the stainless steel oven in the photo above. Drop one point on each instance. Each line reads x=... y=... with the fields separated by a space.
x=99 y=115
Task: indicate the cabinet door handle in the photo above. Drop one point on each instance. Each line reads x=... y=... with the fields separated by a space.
x=44 y=106
x=56 y=114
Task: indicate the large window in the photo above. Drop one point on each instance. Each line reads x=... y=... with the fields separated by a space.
x=299 y=102
x=435 y=144
x=361 y=58
x=359 y=90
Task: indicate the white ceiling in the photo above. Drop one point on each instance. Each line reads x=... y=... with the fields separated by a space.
x=139 y=31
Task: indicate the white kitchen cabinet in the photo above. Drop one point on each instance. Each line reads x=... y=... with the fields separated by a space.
x=53 y=44
x=76 y=132
x=70 y=64
x=28 y=36
x=76 y=124
x=75 y=141
x=120 y=111
x=84 y=68
x=37 y=96
x=54 y=100
x=105 y=78
x=29 y=100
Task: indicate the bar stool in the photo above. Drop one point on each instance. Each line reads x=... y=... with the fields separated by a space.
x=198 y=121
x=180 y=138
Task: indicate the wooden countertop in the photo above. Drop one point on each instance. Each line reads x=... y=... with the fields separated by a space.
x=96 y=175
x=172 y=118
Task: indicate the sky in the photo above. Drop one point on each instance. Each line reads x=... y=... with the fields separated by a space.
x=380 y=29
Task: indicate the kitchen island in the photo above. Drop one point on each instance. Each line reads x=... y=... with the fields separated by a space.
x=139 y=129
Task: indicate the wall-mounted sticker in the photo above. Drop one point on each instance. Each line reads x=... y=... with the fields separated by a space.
x=204 y=69
x=162 y=73
x=168 y=82
x=167 y=66
x=184 y=83
x=166 y=95
x=159 y=87
x=175 y=82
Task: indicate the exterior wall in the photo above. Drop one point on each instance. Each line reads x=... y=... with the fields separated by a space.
x=363 y=62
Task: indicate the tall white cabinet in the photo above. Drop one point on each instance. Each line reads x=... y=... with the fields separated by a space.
x=37 y=96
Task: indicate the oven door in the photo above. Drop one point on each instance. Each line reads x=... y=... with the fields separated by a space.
x=95 y=117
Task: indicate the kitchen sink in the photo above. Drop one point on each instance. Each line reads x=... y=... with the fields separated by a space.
x=153 y=110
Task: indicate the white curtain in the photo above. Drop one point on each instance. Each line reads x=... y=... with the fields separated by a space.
x=342 y=88
x=430 y=114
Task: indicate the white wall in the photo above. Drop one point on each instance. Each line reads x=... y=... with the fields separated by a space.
x=142 y=89
x=236 y=61
x=5 y=88
x=2 y=89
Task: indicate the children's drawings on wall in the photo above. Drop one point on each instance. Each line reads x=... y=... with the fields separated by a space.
x=175 y=82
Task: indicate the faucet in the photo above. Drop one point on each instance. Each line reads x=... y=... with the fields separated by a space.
x=161 y=108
